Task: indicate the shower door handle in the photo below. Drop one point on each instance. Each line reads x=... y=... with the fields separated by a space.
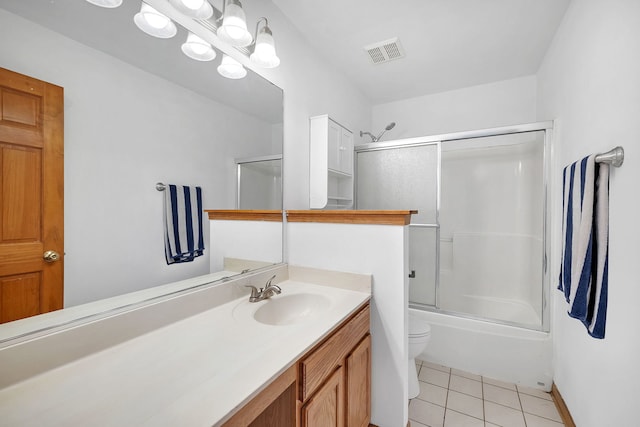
x=412 y=275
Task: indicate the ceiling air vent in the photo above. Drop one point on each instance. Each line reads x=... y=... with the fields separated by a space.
x=385 y=51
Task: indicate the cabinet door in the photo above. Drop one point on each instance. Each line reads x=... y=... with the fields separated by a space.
x=334 y=136
x=359 y=385
x=326 y=407
x=346 y=151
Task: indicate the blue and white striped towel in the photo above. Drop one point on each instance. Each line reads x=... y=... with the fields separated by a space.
x=183 y=223
x=585 y=243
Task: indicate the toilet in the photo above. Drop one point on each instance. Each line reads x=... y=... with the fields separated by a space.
x=419 y=334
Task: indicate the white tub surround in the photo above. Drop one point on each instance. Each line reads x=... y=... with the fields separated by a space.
x=192 y=372
x=367 y=242
x=506 y=353
x=244 y=239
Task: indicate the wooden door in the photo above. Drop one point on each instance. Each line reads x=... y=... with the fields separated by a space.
x=31 y=196
x=326 y=407
x=359 y=385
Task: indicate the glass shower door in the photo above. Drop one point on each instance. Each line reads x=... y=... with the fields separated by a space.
x=406 y=178
x=492 y=230
x=477 y=247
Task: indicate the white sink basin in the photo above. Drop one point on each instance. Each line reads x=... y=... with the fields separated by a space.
x=286 y=309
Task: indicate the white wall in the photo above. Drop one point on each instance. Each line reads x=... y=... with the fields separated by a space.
x=589 y=81
x=501 y=103
x=125 y=130
x=257 y=242
x=379 y=250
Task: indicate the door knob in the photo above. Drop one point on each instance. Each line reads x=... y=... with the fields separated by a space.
x=51 y=256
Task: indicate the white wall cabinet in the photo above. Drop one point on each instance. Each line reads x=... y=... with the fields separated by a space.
x=331 y=164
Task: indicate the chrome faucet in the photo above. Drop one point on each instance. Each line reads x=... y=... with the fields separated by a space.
x=268 y=291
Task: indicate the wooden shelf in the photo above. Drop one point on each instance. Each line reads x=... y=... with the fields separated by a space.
x=338 y=174
x=245 y=215
x=352 y=217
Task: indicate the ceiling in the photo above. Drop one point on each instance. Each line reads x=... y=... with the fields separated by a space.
x=449 y=44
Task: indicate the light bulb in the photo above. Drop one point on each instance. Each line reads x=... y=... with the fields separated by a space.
x=234 y=26
x=199 y=9
x=231 y=69
x=264 y=52
x=106 y=3
x=198 y=49
x=193 y=4
x=154 y=23
x=155 y=20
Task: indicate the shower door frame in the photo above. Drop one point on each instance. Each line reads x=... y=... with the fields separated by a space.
x=438 y=140
x=257 y=159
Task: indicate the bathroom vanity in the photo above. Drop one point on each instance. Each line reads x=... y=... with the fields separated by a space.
x=301 y=358
x=329 y=386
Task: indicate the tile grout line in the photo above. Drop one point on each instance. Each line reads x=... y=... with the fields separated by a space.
x=536 y=415
x=521 y=408
x=464 y=413
x=482 y=382
x=484 y=416
x=446 y=401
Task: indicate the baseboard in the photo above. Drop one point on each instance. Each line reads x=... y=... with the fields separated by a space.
x=562 y=407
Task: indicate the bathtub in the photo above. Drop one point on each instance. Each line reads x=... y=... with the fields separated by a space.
x=505 y=353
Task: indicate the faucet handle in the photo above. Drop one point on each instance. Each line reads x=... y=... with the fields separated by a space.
x=275 y=288
x=254 y=290
x=269 y=282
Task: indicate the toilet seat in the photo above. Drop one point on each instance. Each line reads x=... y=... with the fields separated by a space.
x=418 y=328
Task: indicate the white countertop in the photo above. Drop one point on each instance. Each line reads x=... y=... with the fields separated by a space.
x=194 y=372
x=51 y=319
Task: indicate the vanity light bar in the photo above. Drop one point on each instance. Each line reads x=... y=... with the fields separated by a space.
x=260 y=48
x=109 y=4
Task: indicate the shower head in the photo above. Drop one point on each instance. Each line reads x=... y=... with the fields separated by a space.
x=373 y=138
x=389 y=127
x=377 y=138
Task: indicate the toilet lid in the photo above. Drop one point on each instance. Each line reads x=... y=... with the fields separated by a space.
x=418 y=327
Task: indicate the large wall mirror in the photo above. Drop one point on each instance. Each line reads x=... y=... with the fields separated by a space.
x=137 y=112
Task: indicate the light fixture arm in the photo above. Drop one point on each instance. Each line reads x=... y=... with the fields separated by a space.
x=224 y=7
x=266 y=29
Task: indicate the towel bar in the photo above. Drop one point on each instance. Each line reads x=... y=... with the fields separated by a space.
x=160 y=186
x=614 y=157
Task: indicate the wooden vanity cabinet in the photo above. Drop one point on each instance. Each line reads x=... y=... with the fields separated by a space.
x=330 y=386
x=335 y=378
x=358 y=384
x=326 y=407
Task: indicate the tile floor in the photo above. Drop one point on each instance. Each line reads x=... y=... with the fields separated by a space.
x=453 y=398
